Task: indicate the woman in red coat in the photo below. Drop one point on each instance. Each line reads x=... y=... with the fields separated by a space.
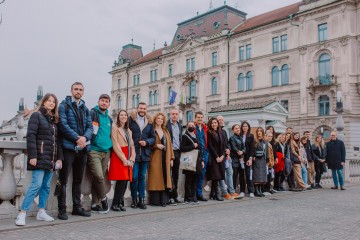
x=121 y=162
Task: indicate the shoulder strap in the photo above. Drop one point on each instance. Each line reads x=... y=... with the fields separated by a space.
x=189 y=138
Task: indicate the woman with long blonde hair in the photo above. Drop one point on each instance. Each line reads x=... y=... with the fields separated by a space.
x=320 y=155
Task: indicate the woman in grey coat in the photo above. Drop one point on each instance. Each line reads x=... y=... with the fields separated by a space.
x=261 y=159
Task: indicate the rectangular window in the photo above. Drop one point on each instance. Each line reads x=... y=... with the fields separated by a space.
x=187 y=65
x=155 y=75
x=285 y=104
x=283 y=42
x=241 y=54
x=192 y=64
x=138 y=79
x=170 y=70
x=119 y=83
x=275 y=44
x=322 y=32
x=248 y=51
x=151 y=76
x=214 y=59
x=134 y=80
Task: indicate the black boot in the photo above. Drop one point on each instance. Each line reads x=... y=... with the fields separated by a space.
x=122 y=205
x=141 y=203
x=134 y=203
x=260 y=191
x=257 y=192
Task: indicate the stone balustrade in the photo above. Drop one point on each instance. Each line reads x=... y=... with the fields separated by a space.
x=15 y=180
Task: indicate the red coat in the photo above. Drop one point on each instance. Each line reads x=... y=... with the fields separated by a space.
x=280 y=166
x=117 y=170
x=120 y=154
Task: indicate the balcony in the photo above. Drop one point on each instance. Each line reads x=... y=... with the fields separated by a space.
x=191 y=100
x=321 y=83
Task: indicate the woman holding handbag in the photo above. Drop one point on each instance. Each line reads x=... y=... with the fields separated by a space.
x=189 y=142
x=122 y=159
x=161 y=161
x=44 y=155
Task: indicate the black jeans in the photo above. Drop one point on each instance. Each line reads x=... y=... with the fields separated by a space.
x=120 y=189
x=279 y=180
x=190 y=187
x=75 y=161
x=244 y=179
x=175 y=174
x=319 y=169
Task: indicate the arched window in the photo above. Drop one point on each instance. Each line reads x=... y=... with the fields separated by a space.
x=324 y=105
x=156 y=94
x=192 y=89
x=241 y=82
x=133 y=101
x=150 y=98
x=275 y=76
x=285 y=74
x=324 y=69
x=119 y=102
x=214 y=86
x=249 y=81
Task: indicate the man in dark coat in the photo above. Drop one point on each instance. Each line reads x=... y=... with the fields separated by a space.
x=335 y=159
x=310 y=157
x=143 y=135
x=175 y=130
x=76 y=131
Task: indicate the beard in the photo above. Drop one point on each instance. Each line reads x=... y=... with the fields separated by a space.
x=102 y=109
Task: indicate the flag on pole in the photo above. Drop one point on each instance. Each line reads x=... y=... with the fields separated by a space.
x=172 y=97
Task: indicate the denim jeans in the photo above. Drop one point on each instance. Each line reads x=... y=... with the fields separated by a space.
x=200 y=179
x=138 y=184
x=304 y=174
x=228 y=185
x=337 y=175
x=40 y=183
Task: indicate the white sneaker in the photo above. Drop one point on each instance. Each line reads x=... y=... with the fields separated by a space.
x=20 y=220
x=43 y=216
x=242 y=194
x=251 y=195
x=267 y=193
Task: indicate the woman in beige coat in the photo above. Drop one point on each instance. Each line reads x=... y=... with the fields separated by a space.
x=121 y=161
x=161 y=160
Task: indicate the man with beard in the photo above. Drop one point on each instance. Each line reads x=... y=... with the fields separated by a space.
x=100 y=152
x=76 y=131
x=144 y=136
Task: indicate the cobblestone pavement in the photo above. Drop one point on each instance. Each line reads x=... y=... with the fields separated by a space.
x=316 y=214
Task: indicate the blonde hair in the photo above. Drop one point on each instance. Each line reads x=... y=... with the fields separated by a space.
x=317 y=144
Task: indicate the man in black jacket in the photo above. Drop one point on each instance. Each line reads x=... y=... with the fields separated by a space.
x=335 y=159
x=175 y=130
x=143 y=135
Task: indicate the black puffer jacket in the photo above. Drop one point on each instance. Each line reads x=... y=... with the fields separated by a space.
x=42 y=141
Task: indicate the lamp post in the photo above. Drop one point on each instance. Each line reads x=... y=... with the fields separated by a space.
x=340 y=129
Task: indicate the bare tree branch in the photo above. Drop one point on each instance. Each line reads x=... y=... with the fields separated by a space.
x=1 y=13
x=2 y=1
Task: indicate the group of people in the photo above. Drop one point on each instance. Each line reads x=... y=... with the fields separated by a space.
x=147 y=152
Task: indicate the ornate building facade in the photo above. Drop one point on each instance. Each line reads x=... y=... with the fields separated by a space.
x=280 y=68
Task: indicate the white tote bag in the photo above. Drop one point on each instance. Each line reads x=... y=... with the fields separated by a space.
x=188 y=159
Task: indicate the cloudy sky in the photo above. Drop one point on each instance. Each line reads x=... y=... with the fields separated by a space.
x=54 y=43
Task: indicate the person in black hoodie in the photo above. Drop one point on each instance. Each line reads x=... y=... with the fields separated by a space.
x=310 y=157
x=189 y=142
x=44 y=155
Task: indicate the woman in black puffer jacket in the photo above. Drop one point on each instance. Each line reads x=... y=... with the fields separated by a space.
x=44 y=153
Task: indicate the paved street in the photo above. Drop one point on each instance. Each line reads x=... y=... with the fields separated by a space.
x=316 y=214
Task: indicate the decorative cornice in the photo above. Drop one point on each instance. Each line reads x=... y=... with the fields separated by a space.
x=249 y=65
x=214 y=73
x=279 y=31
x=279 y=59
